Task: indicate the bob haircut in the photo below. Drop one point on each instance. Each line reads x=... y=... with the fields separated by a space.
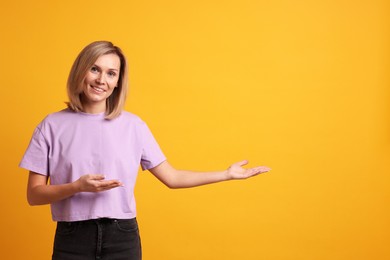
x=83 y=63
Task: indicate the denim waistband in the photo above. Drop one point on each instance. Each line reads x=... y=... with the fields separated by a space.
x=100 y=220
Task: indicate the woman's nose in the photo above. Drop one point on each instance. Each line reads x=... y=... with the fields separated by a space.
x=100 y=79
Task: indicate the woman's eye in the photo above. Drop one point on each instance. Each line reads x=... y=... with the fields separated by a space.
x=94 y=69
x=111 y=74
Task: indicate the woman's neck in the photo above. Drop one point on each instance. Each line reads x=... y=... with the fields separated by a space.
x=94 y=108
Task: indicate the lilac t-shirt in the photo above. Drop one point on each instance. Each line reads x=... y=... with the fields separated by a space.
x=67 y=145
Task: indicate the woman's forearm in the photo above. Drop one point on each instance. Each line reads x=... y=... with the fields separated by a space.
x=46 y=194
x=40 y=193
x=185 y=179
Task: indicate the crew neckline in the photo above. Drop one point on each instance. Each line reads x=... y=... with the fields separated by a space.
x=97 y=115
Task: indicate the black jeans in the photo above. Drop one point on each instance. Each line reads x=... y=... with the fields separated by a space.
x=113 y=239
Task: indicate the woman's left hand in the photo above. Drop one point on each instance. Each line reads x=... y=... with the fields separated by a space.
x=236 y=170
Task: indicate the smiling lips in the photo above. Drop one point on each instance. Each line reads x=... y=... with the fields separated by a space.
x=97 y=89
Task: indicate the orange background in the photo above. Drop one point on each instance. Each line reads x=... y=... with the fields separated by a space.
x=301 y=86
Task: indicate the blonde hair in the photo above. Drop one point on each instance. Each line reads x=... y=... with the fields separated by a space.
x=83 y=63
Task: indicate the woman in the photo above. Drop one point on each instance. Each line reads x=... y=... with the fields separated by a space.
x=91 y=152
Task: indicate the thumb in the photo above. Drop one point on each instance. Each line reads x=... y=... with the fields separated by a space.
x=97 y=177
x=242 y=163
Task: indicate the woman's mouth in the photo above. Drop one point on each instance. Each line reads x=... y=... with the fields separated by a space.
x=97 y=89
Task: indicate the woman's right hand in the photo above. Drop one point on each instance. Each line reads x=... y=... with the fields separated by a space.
x=95 y=183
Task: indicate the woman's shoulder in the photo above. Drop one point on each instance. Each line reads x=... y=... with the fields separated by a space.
x=53 y=120
x=59 y=115
x=128 y=116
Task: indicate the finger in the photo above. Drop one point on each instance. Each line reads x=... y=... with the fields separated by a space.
x=242 y=163
x=109 y=187
x=256 y=171
x=109 y=184
x=97 y=177
x=116 y=185
x=261 y=169
x=251 y=172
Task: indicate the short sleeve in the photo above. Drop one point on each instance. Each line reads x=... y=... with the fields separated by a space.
x=36 y=156
x=151 y=152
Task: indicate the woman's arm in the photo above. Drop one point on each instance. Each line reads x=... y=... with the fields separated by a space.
x=175 y=179
x=40 y=193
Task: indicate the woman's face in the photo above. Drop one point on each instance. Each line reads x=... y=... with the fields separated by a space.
x=100 y=81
